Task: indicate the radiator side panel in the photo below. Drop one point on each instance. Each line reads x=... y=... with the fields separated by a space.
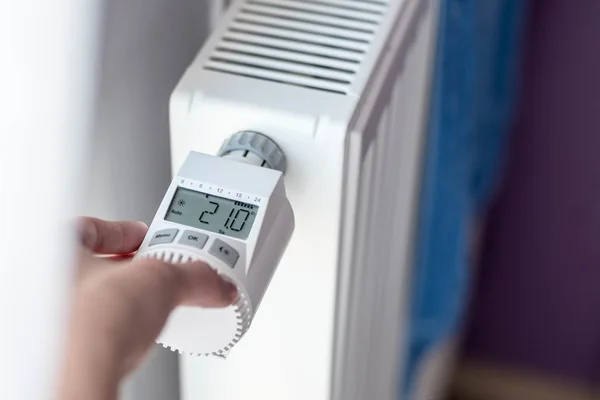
x=385 y=150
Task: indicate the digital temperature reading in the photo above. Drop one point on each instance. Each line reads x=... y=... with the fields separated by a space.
x=212 y=213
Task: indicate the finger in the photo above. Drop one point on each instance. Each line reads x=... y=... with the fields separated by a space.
x=107 y=237
x=89 y=263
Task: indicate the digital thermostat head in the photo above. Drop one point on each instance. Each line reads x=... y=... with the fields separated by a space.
x=234 y=216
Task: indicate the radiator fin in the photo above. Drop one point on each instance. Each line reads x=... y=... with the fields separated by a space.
x=316 y=44
x=381 y=251
x=376 y=258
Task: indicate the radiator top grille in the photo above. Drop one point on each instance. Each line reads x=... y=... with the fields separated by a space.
x=316 y=44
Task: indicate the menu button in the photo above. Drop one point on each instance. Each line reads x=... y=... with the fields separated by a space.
x=164 y=236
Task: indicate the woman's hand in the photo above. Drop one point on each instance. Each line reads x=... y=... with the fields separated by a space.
x=120 y=306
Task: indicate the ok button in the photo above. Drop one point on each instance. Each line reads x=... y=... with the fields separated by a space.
x=193 y=239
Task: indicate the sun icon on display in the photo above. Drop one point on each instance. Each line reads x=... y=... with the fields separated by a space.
x=181 y=203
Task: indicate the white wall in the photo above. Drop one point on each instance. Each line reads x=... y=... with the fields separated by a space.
x=147 y=44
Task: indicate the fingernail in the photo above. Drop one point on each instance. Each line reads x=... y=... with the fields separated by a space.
x=87 y=233
x=141 y=225
x=230 y=291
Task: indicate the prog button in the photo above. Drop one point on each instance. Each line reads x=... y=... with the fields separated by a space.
x=193 y=239
x=164 y=236
x=224 y=252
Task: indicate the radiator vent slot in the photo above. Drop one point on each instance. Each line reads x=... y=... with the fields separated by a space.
x=316 y=44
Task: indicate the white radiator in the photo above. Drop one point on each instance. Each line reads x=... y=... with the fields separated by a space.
x=341 y=86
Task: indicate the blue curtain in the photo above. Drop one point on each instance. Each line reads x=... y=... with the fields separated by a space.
x=474 y=93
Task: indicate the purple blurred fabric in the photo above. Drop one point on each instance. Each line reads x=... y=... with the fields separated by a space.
x=537 y=302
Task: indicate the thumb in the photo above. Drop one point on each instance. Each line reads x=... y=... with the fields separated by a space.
x=119 y=313
x=201 y=286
